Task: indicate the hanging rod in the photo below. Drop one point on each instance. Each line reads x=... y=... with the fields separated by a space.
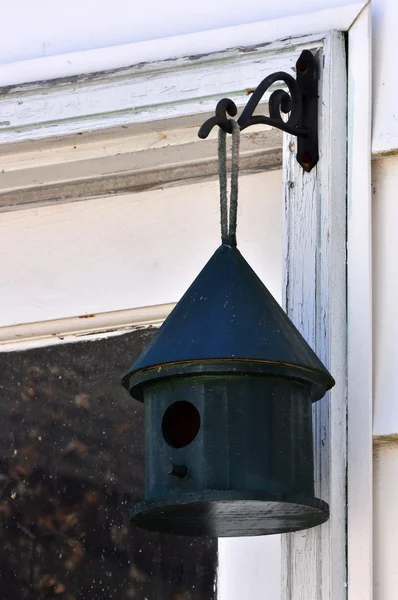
x=300 y=103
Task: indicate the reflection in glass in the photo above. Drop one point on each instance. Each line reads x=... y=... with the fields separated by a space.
x=71 y=464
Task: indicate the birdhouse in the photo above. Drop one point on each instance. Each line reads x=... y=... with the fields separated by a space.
x=228 y=384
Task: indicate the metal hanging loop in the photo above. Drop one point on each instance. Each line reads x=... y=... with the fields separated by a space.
x=228 y=218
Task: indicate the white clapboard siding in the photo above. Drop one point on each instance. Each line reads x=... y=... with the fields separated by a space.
x=385 y=210
x=385 y=520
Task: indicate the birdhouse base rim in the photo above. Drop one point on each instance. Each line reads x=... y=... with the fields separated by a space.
x=229 y=513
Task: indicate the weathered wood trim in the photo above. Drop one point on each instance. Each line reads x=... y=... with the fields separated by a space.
x=142 y=94
x=314 y=561
x=33 y=335
x=139 y=180
x=132 y=129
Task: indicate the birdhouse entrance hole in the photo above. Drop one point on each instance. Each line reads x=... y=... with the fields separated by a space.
x=181 y=424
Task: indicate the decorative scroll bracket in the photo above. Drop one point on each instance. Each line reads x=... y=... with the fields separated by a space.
x=300 y=102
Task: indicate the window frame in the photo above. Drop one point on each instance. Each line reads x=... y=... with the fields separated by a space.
x=50 y=116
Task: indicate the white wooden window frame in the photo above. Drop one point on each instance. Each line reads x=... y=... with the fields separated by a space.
x=39 y=128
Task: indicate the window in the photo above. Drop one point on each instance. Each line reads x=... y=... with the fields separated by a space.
x=103 y=183
x=72 y=463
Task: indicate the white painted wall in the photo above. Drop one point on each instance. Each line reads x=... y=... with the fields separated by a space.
x=117 y=239
x=44 y=28
x=385 y=295
x=260 y=556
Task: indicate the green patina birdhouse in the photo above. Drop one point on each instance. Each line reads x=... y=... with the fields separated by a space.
x=228 y=384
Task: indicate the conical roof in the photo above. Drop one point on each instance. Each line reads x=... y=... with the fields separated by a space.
x=228 y=315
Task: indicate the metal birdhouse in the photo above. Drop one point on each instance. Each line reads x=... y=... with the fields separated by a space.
x=228 y=384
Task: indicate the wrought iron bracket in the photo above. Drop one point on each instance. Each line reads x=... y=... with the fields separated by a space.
x=300 y=103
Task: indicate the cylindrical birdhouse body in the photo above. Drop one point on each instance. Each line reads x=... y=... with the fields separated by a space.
x=228 y=385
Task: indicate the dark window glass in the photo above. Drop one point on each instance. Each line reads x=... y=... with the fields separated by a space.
x=71 y=463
